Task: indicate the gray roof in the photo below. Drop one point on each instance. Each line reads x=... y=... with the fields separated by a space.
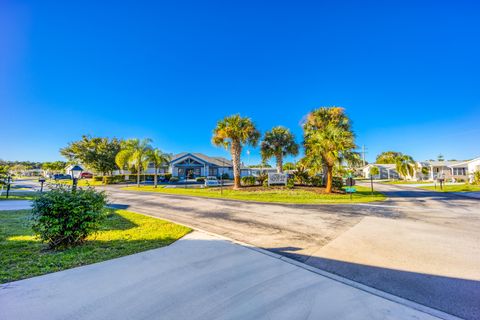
x=442 y=163
x=218 y=161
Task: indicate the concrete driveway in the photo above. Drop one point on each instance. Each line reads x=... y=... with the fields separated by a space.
x=419 y=245
x=197 y=277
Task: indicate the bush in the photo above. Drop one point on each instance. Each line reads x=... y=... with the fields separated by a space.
x=265 y=183
x=337 y=183
x=167 y=176
x=65 y=218
x=476 y=177
x=248 y=180
x=316 y=181
x=108 y=180
x=97 y=178
x=262 y=177
x=200 y=179
x=225 y=176
x=173 y=179
x=290 y=183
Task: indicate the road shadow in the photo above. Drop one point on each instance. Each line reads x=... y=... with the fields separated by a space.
x=457 y=296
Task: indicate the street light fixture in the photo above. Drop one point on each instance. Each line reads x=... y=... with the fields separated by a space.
x=76 y=171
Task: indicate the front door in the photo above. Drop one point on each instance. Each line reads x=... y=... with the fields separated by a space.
x=189 y=173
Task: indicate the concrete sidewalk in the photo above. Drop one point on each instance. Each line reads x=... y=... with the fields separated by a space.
x=15 y=205
x=197 y=277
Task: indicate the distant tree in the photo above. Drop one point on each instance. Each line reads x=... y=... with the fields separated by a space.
x=374 y=171
x=328 y=135
x=54 y=167
x=388 y=157
x=157 y=158
x=440 y=158
x=233 y=133
x=278 y=142
x=289 y=166
x=405 y=166
x=134 y=153
x=94 y=152
x=261 y=165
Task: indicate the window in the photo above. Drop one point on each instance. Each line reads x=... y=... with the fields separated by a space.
x=212 y=171
x=458 y=171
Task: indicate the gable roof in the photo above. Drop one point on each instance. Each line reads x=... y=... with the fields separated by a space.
x=217 y=161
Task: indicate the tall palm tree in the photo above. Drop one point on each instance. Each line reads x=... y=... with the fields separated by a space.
x=328 y=136
x=233 y=133
x=278 y=143
x=133 y=153
x=405 y=165
x=157 y=158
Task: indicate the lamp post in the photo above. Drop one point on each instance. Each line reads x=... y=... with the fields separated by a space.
x=76 y=171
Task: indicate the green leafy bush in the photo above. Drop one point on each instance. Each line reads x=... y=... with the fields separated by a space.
x=265 y=183
x=97 y=178
x=248 y=180
x=173 y=179
x=290 y=183
x=167 y=176
x=262 y=177
x=108 y=180
x=200 y=179
x=316 y=181
x=224 y=176
x=64 y=218
x=337 y=183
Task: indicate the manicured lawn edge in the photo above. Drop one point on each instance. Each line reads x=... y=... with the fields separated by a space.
x=295 y=196
x=123 y=233
x=453 y=188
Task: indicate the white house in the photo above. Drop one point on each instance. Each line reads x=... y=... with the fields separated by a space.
x=465 y=169
x=386 y=171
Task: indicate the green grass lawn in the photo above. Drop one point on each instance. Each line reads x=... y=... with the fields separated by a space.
x=454 y=188
x=405 y=182
x=123 y=233
x=17 y=196
x=280 y=195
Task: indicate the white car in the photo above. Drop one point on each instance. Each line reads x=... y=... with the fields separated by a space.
x=211 y=182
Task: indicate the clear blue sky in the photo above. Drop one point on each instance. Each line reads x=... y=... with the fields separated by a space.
x=407 y=72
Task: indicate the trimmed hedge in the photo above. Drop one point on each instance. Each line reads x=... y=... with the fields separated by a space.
x=248 y=180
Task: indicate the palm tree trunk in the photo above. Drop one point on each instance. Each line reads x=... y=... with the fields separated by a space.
x=236 y=151
x=138 y=177
x=279 y=163
x=155 y=178
x=328 y=188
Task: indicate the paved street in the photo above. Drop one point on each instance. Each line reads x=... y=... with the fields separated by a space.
x=419 y=245
x=197 y=277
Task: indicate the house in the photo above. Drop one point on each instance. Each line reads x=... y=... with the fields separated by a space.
x=386 y=171
x=465 y=170
x=448 y=170
x=188 y=165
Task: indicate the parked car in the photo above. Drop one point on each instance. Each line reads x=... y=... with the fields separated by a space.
x=211 y=181
x=86 y=175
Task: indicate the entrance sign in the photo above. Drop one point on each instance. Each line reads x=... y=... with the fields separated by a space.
x=277 y=178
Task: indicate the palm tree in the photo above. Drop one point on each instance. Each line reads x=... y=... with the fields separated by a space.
x=328 y=136
x=157 y=158
x=405 y=165
x=133 y=153
x=233 y=133
x=278 y=143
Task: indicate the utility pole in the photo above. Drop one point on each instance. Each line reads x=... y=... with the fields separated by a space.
x=363 y=154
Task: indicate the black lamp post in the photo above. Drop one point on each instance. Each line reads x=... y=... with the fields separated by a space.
x=76 y=171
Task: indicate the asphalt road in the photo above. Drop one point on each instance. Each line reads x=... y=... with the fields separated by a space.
x=419 y=245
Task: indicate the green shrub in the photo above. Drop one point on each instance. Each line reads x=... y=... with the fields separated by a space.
x=224 y=176
x=265 y=183
x=200 y=179
x=173 y=179
x=262 y=177
x=62 y=217
x=290 y=183
x=337 y=183
x=108 y=180
x=248 y=180
x=476 y=177
x=316 y=181
x=167 y=176
x=97 y=178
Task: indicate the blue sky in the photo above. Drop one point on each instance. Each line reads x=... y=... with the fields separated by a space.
x=407 y=73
